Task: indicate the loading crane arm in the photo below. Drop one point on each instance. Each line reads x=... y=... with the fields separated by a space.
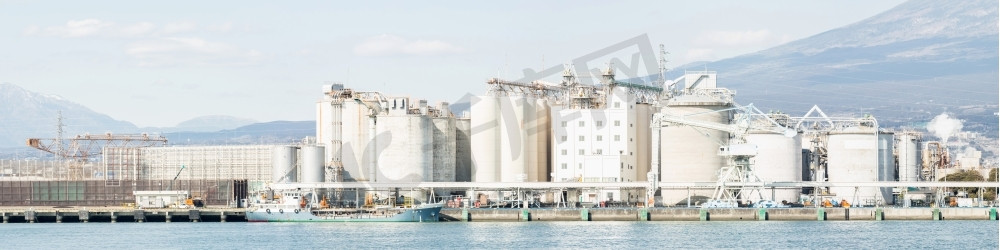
x=171 y=186
x=747 y=118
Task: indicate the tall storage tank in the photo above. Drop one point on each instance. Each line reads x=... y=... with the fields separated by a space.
x=444 y=149
x=853 y=156
x=779 y=158
x=643 y=138
x=283 y=164
x=328 y=126
x=886 y=164
x=356 y=135
x=689 y=154
x=531 y=141
x=463 y=149
x=542 y=129
x=313 y=169
x=485 y=136
x=407 y=146
x=908 y=150
x=513 y=138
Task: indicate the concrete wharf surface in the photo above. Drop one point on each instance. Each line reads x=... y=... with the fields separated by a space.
x=220 y=214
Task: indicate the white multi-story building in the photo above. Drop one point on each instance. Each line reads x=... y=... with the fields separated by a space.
x=605 y=140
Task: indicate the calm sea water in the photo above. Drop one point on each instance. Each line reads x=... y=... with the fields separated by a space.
x=506 y=235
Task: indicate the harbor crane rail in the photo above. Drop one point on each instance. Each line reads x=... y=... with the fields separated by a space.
x=82 y=148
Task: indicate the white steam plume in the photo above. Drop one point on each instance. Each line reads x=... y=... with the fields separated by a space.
x=944 y=126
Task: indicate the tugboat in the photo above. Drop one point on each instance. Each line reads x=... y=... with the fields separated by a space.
x=301 y=206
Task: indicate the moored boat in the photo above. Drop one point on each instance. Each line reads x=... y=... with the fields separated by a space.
x=300 y=206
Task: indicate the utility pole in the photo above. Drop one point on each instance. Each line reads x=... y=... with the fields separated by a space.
x=59 y=140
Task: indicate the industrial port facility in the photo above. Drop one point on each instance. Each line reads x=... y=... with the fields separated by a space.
x=683 y=142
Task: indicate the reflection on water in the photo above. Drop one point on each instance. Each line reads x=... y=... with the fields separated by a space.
x=630 y=235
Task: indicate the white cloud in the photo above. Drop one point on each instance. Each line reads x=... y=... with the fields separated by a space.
x=736 y=39
x=73 y=28
x=189 y=51
x=386 y=45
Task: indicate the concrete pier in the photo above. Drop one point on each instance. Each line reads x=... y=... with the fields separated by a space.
x=716 y=214
x=113 y=214
x=30 y=216
x=139 y=215
x=116 y=214
x=83 y=216
x=674 y=214
x=194 y=215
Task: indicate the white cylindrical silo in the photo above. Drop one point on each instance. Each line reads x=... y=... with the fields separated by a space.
x=312 y=168
x=908 y=150
x=542 y=129
x=283 y=164
x=886 y=164
x=444 y=149
x=853 y=156
x=513 y=138
x=689 y=154
x=356 y=136
x=485 y=138
x=778 y=159
x=406 y=148
x=463 y=150
x=531 y=140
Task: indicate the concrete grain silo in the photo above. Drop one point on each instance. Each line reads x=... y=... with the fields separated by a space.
x=689 y=154
x=312 y=164
x=853 y=156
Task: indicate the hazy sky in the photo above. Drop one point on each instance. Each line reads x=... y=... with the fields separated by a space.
x=159 y=63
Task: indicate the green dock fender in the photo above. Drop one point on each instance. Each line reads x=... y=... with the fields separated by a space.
x=879 y=215
x=703 y=214
x=465 y=214
x=644 y=214
x=525 y=215
x=820 y=214
x=585 y=214
x=761 y=214
x=993 y=213
x=937 y=214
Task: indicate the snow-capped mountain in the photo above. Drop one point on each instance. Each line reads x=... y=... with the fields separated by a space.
x=25 y=114
x=904 y=65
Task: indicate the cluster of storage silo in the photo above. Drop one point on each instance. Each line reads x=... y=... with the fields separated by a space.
x=292 y=164
x=514 y=131
x=507 y=137
x=372 y=137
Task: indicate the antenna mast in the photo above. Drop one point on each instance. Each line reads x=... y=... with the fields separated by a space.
x=59 y=137
x=663 y=64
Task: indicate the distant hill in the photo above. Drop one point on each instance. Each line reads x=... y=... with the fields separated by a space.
x=25 y=114
x=208 y=123
x=258 y=133
x=904 y=65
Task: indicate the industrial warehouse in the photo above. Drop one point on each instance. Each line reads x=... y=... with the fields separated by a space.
x=676 y=143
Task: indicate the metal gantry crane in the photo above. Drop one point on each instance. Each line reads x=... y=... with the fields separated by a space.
x=737 y=179
x=82 y=148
